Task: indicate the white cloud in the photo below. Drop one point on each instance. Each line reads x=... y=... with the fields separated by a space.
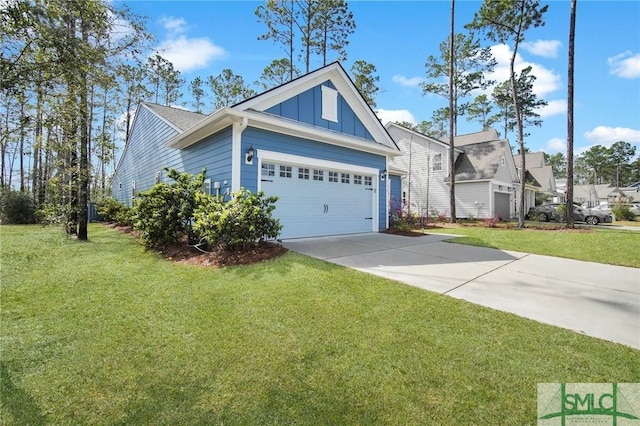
x=553 y=108
x=547 y=81
x=188 y=54
x=556 y=145
x=407 y=82
x=625 y=65
x=386 y=116
x=544 y=48
x=604 y=135
x=173 y=25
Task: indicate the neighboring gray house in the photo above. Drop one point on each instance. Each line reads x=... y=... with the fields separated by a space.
x=314 y=142
x=542 y=174
x=487 y=183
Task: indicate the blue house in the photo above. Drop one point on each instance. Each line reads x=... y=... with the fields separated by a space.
x=314 y=142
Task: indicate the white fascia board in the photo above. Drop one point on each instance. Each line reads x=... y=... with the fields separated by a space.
x=217 y=121
x=341 y=81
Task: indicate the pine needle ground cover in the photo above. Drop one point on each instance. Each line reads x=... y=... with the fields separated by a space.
x=104 y=332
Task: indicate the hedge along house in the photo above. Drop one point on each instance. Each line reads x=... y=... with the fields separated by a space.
x=484 y=170
x=314 y=142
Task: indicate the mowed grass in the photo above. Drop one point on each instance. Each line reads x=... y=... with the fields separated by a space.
x=103 y=332
x=602 y=244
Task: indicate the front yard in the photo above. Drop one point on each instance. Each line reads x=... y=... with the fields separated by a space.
x=105 y=333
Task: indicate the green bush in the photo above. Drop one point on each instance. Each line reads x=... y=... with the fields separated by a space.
x=244 y=219
x=111 y=210
x=165 y=211
x=623 y=212
x=53 y=214
x=17 y=208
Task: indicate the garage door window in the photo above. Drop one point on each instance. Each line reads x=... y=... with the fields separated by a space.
x=285 y=171
x=318 y=175
x=357 y=179
x=333 y=176
x=346 y=177
x=268 y=169
x=303 y=173
x=368 y=181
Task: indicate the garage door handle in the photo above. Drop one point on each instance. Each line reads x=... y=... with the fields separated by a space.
x=265 y=180
x=368 y=218
x=326 y=208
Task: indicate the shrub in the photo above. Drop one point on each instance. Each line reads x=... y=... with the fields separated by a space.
x=244 y=219
x=491 y=222
x=53 y=214
x=402 y=221
x=111 y=210
x=165 y=211
x=17 y=208
x=623 y=212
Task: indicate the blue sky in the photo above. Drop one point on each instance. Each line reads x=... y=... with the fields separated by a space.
x=202 y=38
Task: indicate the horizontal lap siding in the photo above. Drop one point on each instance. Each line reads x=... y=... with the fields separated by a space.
x=146 y=154
x=271 y=141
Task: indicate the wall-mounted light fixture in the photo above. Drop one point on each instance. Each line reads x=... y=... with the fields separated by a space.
x=383 y=174
x=248 y=156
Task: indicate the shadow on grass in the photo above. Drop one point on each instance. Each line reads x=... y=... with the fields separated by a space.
x=20 y=404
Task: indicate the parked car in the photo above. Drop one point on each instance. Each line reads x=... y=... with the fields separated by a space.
x=551 y=211
x=606 y=207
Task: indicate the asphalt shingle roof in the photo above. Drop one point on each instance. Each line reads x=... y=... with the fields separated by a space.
x=480 y=160
x=180 y=118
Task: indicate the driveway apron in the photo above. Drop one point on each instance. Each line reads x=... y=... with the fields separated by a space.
x=598 y=300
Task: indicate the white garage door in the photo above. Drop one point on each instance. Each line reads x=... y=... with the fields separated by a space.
x=315 y=201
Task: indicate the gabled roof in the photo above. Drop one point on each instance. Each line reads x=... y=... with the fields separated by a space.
x=480 y=161
x=252 y=112
x=534 y=159
x=471 y=138
x=180 y=119
x=544 y=176
x=417 y=136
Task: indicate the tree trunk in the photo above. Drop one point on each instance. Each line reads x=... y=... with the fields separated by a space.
x=572 y=27
x=452 y=172
x=83 y=172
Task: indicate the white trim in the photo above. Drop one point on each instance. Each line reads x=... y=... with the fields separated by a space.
x=329 y=104
x=279 y=157
x=236 y=154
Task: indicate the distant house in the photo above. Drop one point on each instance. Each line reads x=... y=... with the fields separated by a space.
x=542 y=174
x=314 y=142
x=487 y=183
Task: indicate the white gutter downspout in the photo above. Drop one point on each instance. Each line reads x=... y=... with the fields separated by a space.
x=236 y=154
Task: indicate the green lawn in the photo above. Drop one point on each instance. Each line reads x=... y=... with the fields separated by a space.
x=105 y=333
x=603 y=245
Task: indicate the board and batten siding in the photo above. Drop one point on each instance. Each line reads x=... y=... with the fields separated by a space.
x=146 y=155
x=307 y=108
x=277 y=142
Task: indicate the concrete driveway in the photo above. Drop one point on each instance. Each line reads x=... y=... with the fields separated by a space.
x=598 y=300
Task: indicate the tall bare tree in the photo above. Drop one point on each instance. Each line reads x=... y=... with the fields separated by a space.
x=452 y=115
x=507 y=22
x=572 y=32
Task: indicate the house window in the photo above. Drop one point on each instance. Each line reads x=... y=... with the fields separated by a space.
x=318 y=175
x=333 y=176
x=303 y=173
x=207 y=186
x=503 y=161
x=268 y=169
x=368 y=181
x=357 y=179
x=329 y=104
x=437 y=162
x=285 y=171
x=345 y=178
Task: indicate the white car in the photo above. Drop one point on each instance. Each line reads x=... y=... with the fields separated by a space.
x=606 y=207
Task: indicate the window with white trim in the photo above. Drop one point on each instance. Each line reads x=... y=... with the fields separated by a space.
x=285 y=171
x=345 y=177
x=436 y=164
x=303 y=173
x=333 y=176
x=268 y=169
x=357 y=179
x=503 y=161
x=207 y=186
x=368 y=181
x=318 y=175
x=329 y=104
